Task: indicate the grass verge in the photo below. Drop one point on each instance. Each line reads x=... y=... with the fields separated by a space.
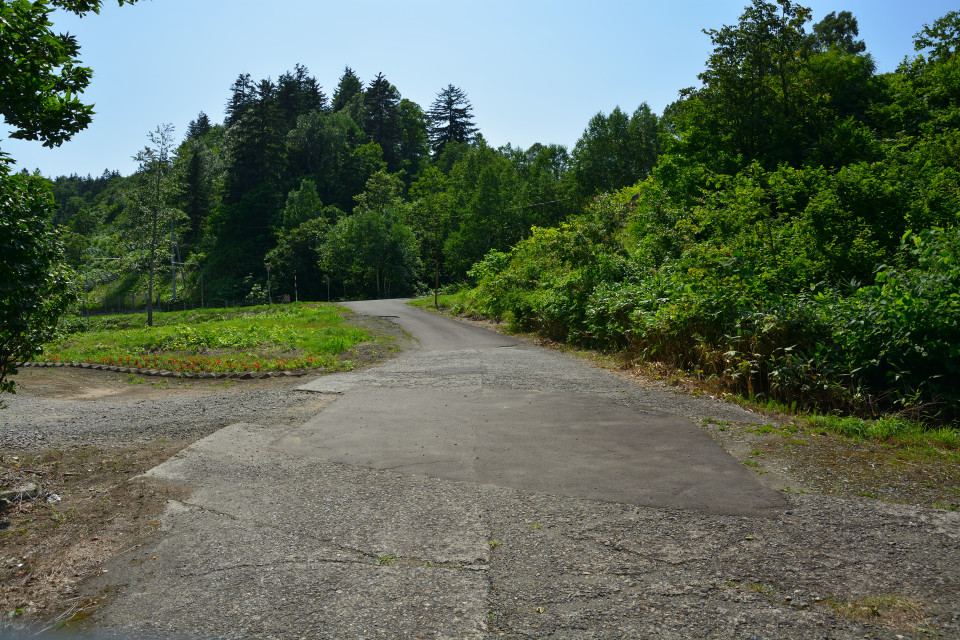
x=264 y=338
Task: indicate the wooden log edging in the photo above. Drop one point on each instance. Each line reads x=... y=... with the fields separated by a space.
x=164 y=373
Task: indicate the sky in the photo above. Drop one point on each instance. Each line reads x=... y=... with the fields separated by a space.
x=534 y=70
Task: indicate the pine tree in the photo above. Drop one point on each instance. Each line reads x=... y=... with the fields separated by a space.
x=451 y=118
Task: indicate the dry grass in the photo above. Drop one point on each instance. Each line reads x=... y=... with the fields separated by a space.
x=47 y=547
x=889 y=610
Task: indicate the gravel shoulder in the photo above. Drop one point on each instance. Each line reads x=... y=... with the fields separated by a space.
x=390 y=553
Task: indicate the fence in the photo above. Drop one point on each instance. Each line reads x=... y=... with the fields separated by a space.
x=111 y=306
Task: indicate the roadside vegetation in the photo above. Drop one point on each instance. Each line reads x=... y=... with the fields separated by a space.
x=892 y=457
x=262 y=338
x=797 y=241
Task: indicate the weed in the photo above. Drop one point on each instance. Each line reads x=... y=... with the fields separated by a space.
x=751 y=463
x=132 y=378
x=493 y=544
x=716 y=421
x=386 y=560
x=890 y=609
x=761 y=588
x=757 y=452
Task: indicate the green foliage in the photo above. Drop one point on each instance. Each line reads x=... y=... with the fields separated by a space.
x=40 y=75
x=615 y=151
x=258 y=338
x=40 y=79
x=900 y=337
x=372 y=253
x=35 y=287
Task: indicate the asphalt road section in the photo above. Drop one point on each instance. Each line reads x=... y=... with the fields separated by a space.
x=479 y=487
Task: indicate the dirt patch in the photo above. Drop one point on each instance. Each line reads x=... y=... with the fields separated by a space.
x=89 y=508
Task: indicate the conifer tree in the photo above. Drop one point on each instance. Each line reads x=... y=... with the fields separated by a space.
x=199 y=127
x=381 y=104
x=348 y=87
x=451 y=118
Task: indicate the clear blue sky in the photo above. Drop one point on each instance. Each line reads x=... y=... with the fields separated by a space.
x=535 y=70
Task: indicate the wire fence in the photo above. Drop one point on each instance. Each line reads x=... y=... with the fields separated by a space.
x=131 y=305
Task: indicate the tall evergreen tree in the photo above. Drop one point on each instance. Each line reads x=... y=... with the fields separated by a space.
x=298 y=93
x=451 y=118
x=199 y=127
x=347 y=89
x=242 y=95
x=381 y=113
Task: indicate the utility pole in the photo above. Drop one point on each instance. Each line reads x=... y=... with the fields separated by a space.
x=173 y=268
x=269 y=301
x=296 y=296
x=197 y=265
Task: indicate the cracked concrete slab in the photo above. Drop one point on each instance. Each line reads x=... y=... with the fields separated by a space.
x=475 y=487
x=558 y=443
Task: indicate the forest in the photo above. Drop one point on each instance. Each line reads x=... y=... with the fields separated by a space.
x=788 y=228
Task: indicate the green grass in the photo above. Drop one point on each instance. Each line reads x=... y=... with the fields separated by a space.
x=451 y=301
x=264 y=338
x=892 y=429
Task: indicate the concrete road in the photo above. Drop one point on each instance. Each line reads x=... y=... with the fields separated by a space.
x=475 y=406
x=478 y=487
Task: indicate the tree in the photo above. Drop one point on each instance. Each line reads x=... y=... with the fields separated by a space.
x=381 y=103
x=753 y=104
x=347 y=89
x=412 y=144
x=35 y=287
x=303 y=204
x=451 y=118
x=837 y=31
x=941 y=39
x=40 y=82
x=196 y=169
x=199 y=127
x=430 y=214
x=295 y=259
x=151 y=200
x=372 y=252
x=616 y=151
x=40 y=77
x=298 y=93
x=242 y=95
x=320 y=147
